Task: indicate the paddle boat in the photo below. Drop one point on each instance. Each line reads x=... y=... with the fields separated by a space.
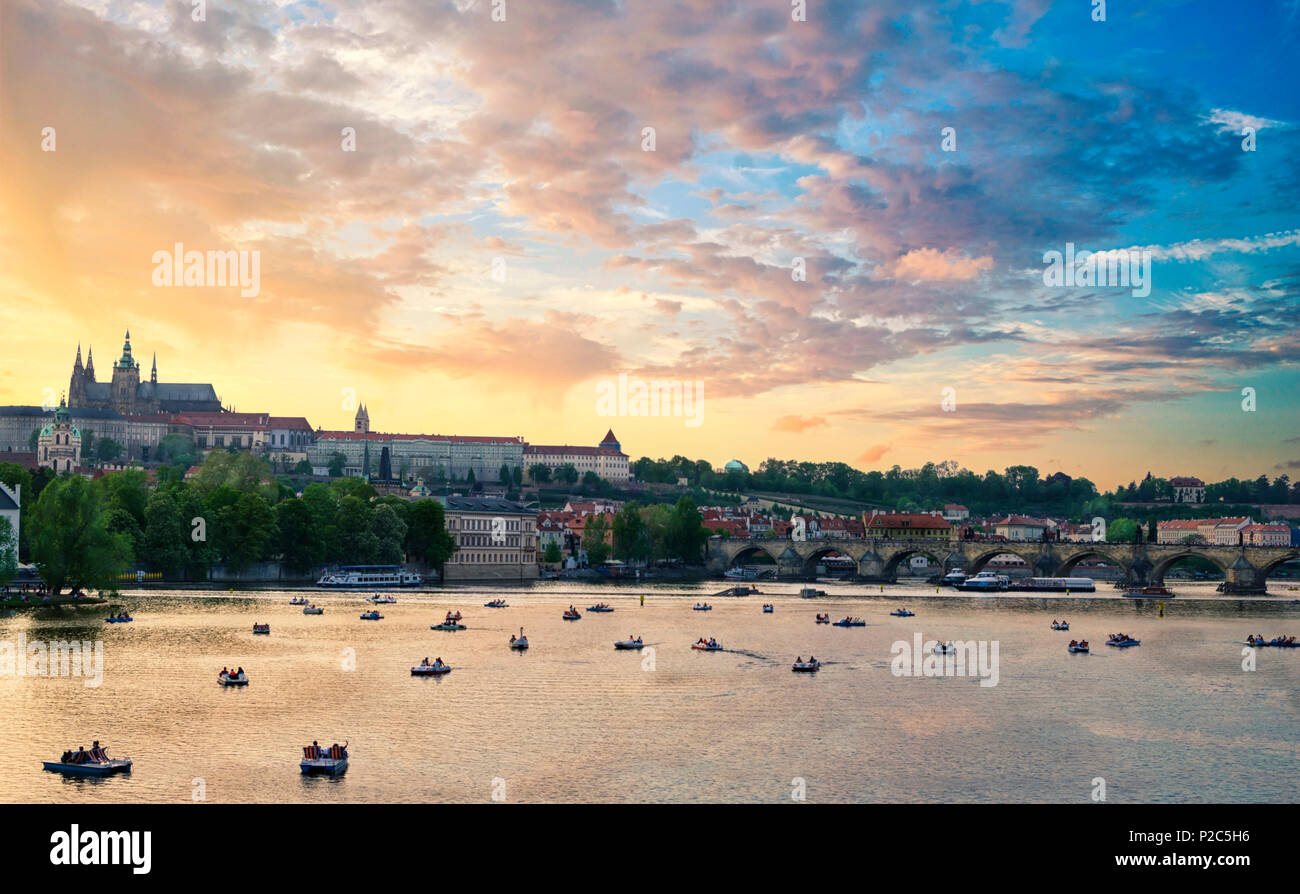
x=1277 y=642
x=571 y=614
x=448 y=625
x=496 y=603
x=313 y=610
x=381 y=600
x=702 y=607
x=823 y=619
x=94 y=762
x=264 y=629
x=710 y=645
x=629 y=643
x=942 y=649
x=1081 y=646
x=903 y=613
x=237 y=678
x=850 y=622
x=331 y=761
x=519 y=642
x=768 y=609
x=371 y=616
x=1122 y=640
x=298 y=600
x=120 y=618
x=425 y=669
x=812 y=665
x=600 y=607
x=1060 y=625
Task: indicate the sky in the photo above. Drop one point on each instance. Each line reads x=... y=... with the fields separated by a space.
x=465 y=224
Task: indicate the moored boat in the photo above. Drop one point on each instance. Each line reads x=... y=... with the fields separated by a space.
x=330 y=761
x=952 y=578
x=984 y=582
x=811 y=593
x=1149 y=592
x=369 y=577
x=1054 y=585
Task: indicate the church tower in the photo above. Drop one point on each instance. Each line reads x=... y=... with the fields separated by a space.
x=153 y=376
x=76 y=387
x=126 y=380
x=362 y=423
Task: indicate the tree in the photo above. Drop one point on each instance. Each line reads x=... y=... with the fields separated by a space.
x=469 y=479
x=551 y=555
x=568 y=473
x=540 y=473
x=593 y=539
x=390 y=534
x=1121 y=530
x=354 y=487
x=18 y=478
x=504 y=475
x=8 y=551
x=686 y=533
x=427 y=537
x=302 y=468
x=177 y=450
x=245 y=531
x=336 y=464
x=298 y=536
x=107 y=450
x=71 y=543
x=590 y=479
x=164 y=534
x=631 y=539
x=357 y=540
x=385 y=465
x=88 y=443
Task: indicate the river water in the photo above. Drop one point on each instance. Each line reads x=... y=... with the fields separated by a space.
x=1177 y=719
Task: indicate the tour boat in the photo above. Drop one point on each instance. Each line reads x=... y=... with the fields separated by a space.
x=225 y=678
x=740 y=574
x=127 y=620
x=823 y=619
x=298 y=600
x=712 y=646
x=1078 y=647
x=519 y=642
x=262 y=628
x=768 y=609
x=850 y=622
x=313 y=610
x=98 y=765
x=702 y=608
x=448 y=625
x=1054 y=585
x=571 y=615
x=381 y=600
x=984 y=582
x=371 y=616
x=941 y=649
x=1064 y=625
x=430 y=670
x=806 y=667
x=324 y=761
x=903 y=613
x=1149 y=592
x=369 y=577
x=1122 y=643
x=599 y=608
x=496 y=603
x=810 y=593
x=629 y=643
x=953 y=578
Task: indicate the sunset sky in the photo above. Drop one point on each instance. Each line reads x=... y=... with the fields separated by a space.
x=522 y=142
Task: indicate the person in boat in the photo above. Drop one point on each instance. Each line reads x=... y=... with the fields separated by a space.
x=1073 y=643
x=812 y=660
x=239 y=673
x=799 y=660
x=80 y=757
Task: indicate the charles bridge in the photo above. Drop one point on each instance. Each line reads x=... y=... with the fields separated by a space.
x=1245 y=568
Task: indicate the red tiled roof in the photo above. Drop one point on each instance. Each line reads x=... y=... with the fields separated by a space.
x=907 y=519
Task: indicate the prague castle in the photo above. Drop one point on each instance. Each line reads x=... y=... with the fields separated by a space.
x=127 y=395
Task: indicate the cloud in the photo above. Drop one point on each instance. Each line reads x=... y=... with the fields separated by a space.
x=798 y=424
x=932 y=264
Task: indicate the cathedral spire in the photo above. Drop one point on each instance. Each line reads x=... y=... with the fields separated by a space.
x=90 y=363
x=76 y=367
x=153 y=376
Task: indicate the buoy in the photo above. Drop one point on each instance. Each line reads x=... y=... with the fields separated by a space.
x=643 y=599
x=1161 y=605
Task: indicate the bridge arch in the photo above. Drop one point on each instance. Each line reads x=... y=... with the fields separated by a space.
x=810 y=561
x=1066 y=568
x=930 y=551
x=1162 y=566
x=1266 y=570
x=976 y=565
x=752 y=548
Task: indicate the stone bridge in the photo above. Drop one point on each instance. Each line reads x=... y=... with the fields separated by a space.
x=1245 y=568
